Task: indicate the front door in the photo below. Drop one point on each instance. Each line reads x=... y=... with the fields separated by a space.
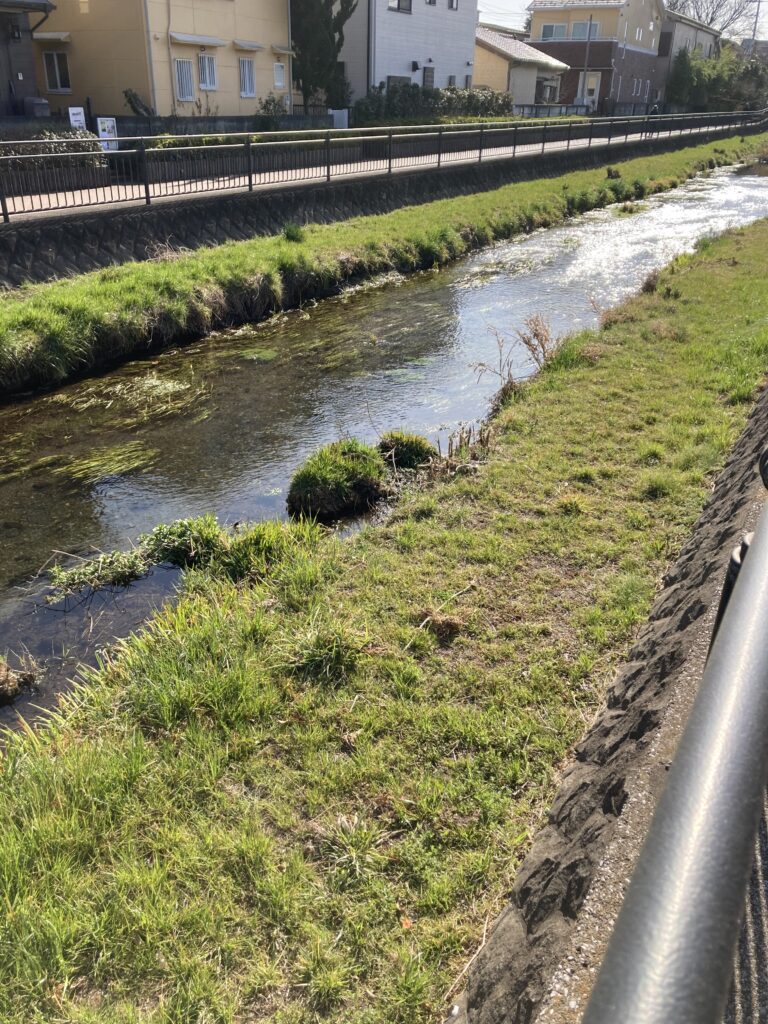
x=589 y=88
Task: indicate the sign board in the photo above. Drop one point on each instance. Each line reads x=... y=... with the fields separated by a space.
x=77 y=117
x=106 y=128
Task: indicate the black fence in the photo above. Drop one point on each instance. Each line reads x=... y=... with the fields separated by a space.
x=40 y=177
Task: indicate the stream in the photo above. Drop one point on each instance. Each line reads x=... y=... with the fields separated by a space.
x=219 y=426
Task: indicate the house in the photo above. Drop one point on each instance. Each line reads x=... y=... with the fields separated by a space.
x=507 y=65
x=521 y=34
x=610 y=45
x=18 y=86
x=426 y=42
x=757 y=48
x=679 y=32
x=180 y=56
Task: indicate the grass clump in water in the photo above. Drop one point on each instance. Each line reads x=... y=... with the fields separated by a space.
x=403 y=450
x=199 y=543
x=340 y=479
x=102 y=463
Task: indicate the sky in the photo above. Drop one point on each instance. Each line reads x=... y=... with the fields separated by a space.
x=512 y=13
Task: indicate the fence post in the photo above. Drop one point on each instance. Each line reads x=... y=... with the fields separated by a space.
x=391 y=144
x=591 y=130
x=327 y=156
x=610 y=129
x=480 y=147
x=145 y=171
x=4 y=207
x=570 y=132
x=514 y=141
x=439 y=146
x=249 y=162
x=543 y=138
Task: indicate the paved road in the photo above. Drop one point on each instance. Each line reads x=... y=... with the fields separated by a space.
x=22 y=207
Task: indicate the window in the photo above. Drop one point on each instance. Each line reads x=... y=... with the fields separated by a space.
x=185 y=85
x=553 y=31
x=451 y=81
x=207 y=69
x=579 y=30
x=279 y=76
x=401 y=5
x=647 y=88
x=432 y=3
x=57 y=72
x=247 y=78
x=453 y=5
x=467 y=81
x=429 y=78
x=638 y=35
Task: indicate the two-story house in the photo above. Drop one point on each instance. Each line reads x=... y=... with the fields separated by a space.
x=427 y=42
x=180 y=56
x=680 y=32
x=611 y=47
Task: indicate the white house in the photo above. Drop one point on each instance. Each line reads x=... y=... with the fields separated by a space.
x=428 y=42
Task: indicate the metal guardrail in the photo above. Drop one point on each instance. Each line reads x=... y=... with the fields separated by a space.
x=670 y=958
x=70 y=174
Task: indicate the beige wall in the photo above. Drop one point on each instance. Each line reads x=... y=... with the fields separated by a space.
x=109 y=46
x=107 y=53
x=259 y=21
x=643 y=17
x=491 y=70
x=638 y=23
x=606 y=18
x=523 y=83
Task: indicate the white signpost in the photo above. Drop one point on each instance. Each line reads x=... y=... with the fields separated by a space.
x=77 y=117
x=107 y=131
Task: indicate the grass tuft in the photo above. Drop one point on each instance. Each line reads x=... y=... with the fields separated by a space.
x=340 y=479
x=402 y=450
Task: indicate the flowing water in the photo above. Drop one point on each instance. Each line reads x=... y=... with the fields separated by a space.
x=220 y=426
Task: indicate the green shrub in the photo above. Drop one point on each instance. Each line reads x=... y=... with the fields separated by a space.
x=402 y=450
x=340 y=479
x=293 y=233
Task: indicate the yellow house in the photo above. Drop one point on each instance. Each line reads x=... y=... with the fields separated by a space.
x=180 y=56
x=611 y=46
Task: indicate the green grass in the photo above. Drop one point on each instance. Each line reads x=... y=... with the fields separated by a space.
x=298 y=797
x=50 y=333
x=403 y=450
x=340 y=479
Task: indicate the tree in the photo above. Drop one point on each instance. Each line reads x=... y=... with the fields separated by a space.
x=680 y=81
x=318 y=36
x=720 y=14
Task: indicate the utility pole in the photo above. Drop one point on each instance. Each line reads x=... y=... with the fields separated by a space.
x=586 y=58
x=754 y=29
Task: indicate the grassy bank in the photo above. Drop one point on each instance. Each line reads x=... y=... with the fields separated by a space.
x=300 y=796
x=49 y=333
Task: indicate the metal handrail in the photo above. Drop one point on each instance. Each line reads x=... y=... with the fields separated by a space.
x=670 y=958
x=140 y=170
x=426 y=129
